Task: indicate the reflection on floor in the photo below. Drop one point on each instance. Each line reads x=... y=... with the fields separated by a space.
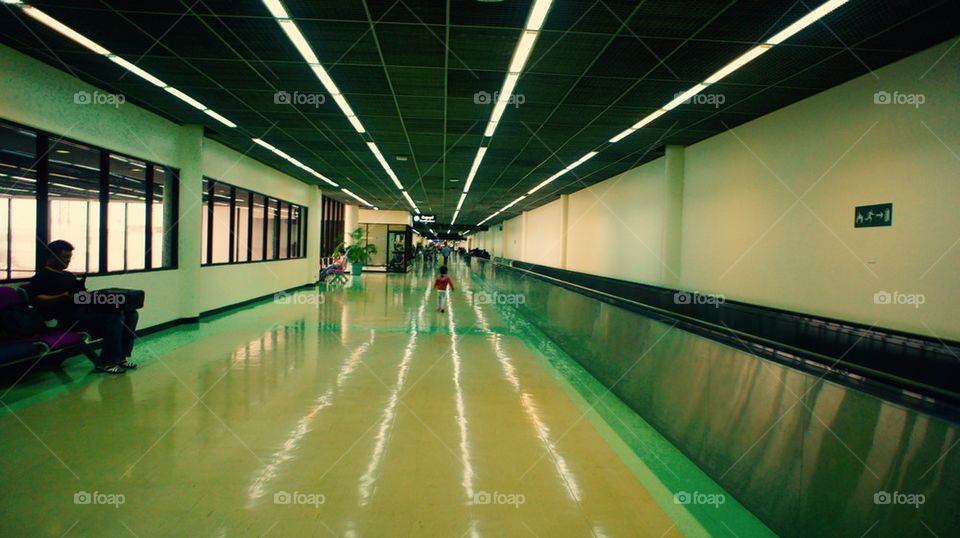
x=361 y=411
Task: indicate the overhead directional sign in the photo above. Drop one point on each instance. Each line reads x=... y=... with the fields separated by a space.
x=867 y=216
x=425 y=219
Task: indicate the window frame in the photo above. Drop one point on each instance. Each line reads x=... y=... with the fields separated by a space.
x=44 y=140
x=259 y=239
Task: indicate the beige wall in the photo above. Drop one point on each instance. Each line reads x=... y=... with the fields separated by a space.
x=543 y=236
x=371 y=216
x=744 y=234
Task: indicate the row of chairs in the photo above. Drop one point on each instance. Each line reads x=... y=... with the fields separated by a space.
x=49 y=345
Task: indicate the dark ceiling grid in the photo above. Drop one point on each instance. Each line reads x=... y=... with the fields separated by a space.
x=796 y=73
x=446 y=102
x=560 y=101
x=403 y=127
x=522 y=206
x=481 y=34
x=358 y=187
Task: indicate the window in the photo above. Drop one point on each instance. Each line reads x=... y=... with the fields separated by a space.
x=54 y=188
x=284 y=228
x=272 y=216
x=127 y=214
x=259 y=227
x=18 y=202
x=241 y=218
x=221 y=223
x=249 y=227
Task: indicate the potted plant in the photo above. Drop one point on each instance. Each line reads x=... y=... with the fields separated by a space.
x=358 y=253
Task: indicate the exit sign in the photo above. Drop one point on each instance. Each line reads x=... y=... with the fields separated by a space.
x=868 y=216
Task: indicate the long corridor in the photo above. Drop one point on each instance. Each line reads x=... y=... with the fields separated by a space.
x=355 y=411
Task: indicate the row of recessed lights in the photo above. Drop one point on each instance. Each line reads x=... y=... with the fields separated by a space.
x=531 y=30
x=723 y=72
x=70 y=33
x=290 y=28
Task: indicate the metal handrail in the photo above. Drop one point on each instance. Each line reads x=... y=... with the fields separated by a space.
x=800 y=354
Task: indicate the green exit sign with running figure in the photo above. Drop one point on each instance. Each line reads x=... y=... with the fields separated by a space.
x=867 y=216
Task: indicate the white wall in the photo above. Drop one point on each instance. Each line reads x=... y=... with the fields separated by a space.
x=744 y=234
x=543 y=236
x=40 y=96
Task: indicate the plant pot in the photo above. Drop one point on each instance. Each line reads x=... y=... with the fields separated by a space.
x=356 y=268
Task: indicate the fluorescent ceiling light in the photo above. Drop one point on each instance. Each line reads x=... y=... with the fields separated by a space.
x=383 y=162
x=622 y=135
x=361 y=200
x=581 y=160
x=744 y=59
x=650 y=117
x=511 y=204
x=220 y=118
x=678 y=100
x=805 y=21
x=473 y=169
x=454 y=219
x=325 y=79
x=463 y=197
x=538 y=14
x=293 y=32
x=508 y=85
x=276 y=9
x=64 y=30
x=342 y=103
x=264 y=144
x=185 y=98
x=137 y=71
x=547 y=181
x=523 y=50
x=410 y=201
x=356 y=124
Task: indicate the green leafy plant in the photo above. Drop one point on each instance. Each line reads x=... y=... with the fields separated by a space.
x=358 y=252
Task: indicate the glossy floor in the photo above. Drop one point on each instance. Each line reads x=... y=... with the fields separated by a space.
x=358 y=411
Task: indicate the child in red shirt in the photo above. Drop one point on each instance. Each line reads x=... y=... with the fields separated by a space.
x=440 y=284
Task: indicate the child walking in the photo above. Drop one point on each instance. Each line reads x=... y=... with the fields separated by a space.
x=441 y=284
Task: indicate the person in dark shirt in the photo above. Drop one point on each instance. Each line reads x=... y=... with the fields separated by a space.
x=54 y=292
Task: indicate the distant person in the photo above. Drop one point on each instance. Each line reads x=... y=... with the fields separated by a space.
x=339 y=261
x=54 y=289
x=446 y=255
x=441 y=284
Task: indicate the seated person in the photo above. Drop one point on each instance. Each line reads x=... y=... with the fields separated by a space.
x=339 y=261
x=53 y=289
